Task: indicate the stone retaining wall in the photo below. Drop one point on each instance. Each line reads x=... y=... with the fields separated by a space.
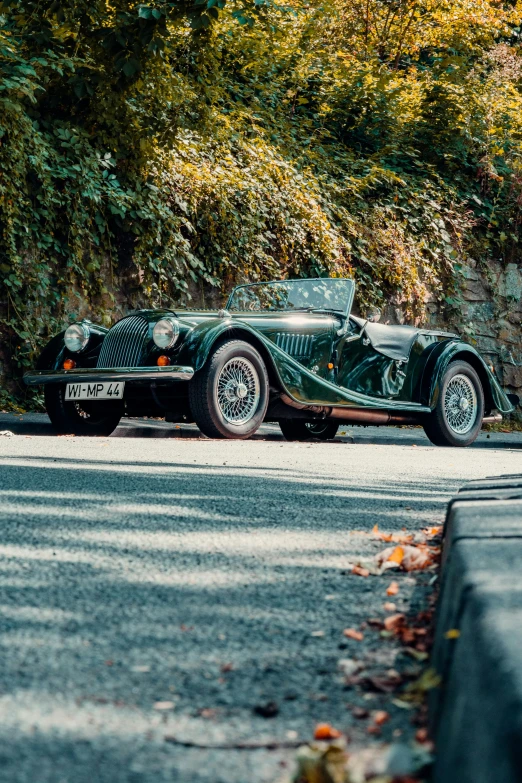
x=490 y=317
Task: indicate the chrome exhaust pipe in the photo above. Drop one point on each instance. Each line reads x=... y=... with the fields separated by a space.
x=492 y=419
x=368 y=416
x=354 y=415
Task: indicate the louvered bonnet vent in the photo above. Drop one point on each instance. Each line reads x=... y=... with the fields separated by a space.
x=297 y=345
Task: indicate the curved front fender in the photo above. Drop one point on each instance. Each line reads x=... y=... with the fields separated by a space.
x=55 y=352
x=493 y=392
x=198 y=343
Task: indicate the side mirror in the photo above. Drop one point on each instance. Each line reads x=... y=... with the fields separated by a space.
x=374 y=314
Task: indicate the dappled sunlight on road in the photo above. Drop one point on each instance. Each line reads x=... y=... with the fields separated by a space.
x=140 y=573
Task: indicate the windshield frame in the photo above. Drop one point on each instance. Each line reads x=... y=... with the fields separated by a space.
x=344 y=313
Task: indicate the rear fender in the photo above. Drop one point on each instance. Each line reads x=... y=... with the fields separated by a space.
x=494 y=396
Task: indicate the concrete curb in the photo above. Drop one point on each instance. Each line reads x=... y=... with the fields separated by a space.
x=476 y=714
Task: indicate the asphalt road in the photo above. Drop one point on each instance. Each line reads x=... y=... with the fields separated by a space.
x=176 y=586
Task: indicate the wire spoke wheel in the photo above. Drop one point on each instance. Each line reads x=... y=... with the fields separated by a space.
x=297 y=429
x=460 y=404
x=229 y=395
x=238 y=390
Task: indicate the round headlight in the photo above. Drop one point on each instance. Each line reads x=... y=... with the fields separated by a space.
x=76 y=337
x=165 y=333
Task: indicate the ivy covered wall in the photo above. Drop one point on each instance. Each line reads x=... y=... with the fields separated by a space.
x=161 y=152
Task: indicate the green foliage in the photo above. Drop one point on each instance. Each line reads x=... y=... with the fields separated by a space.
x=147 y=149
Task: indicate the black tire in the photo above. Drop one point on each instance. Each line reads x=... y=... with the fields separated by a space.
x=81 y=418
x=298 y=429
x=212 y=410
x=438 y=426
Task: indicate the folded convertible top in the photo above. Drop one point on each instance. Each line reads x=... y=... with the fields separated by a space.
x=395 y=342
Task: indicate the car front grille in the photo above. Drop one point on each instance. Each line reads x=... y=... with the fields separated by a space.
x=297 y=345
x=123 y=344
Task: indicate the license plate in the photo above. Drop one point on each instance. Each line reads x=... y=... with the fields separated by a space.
x=94 y=391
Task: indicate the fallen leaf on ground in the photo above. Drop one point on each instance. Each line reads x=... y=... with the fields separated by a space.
x=419 y=557
x=370 y=564
x=389 y=606
x=382 y=684
x=392 y=589
x=324 y=731
x=378 y=534
x=359 y=571
x=396 y=555
x=351 y=633
x=396 y=538
x=317 y=765
x=409 y=557
x=421 y=735
x=417 y=654
x=394 y=621
x=453 y=633
x=433 y=531
x=379 y=717
x=415 y=691
x=403 y=705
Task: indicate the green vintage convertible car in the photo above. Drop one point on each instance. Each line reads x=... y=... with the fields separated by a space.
x=287 y=351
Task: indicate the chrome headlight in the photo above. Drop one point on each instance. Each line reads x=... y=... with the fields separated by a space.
x=166 y=332
x=76 y=337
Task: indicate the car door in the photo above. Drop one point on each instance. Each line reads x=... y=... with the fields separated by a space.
x=306 y=337
x=366 y=370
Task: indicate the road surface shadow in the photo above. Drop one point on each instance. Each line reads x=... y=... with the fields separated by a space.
x=128 y=585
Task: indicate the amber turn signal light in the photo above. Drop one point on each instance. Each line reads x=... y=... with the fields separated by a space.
x=330 y=366
x=69 y=364
x=163 y=361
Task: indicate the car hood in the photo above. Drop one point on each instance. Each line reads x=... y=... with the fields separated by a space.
x=191 y=317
